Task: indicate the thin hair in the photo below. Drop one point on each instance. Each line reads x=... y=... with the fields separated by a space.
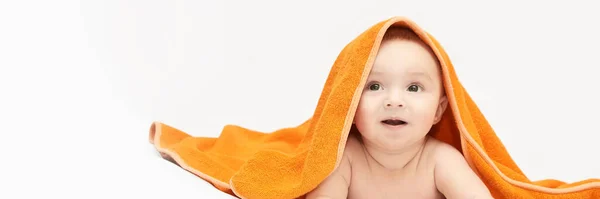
x=405 y=34
x=401 y=33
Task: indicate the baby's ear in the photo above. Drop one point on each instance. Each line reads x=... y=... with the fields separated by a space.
x=441 y=109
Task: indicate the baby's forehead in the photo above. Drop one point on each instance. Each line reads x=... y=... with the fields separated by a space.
x=408 y=69
x=411 y=72
x=395 y=73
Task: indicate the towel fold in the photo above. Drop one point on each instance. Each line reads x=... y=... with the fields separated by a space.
x=291 y=161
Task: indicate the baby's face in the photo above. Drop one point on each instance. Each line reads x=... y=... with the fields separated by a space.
x=402 y=98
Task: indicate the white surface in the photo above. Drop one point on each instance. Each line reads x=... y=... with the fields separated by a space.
x=77 y=123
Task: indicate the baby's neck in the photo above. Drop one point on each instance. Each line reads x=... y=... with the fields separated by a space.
x=393 y=162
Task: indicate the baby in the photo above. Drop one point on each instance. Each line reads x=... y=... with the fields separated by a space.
x=392 y=155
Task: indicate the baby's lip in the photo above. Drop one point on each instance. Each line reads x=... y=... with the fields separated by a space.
x=394 y=119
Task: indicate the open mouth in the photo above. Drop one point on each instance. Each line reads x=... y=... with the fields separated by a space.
x=393 y=122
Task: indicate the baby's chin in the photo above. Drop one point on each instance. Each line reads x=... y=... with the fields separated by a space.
x=387 y=144
x=393 y=143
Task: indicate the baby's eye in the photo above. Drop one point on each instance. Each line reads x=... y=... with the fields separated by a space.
x=413 y=88
x=374 y=87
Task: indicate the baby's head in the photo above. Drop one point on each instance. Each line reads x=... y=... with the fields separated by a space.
x=404 y=95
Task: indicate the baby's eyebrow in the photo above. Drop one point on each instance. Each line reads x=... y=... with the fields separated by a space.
x=374 y=72
x=420 y=74
x=410 y=74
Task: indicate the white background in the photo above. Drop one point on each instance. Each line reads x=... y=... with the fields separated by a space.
x=81 y=82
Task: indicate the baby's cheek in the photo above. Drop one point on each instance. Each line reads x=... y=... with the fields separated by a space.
x=426 y=116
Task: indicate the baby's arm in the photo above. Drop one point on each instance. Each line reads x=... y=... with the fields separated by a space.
x=454 y=178
x=336 y=185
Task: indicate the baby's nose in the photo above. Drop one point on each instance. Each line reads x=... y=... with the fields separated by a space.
x=394 y=100
x=393 y=104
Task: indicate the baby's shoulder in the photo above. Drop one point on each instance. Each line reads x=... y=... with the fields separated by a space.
x=351 y=152
x=440 y=151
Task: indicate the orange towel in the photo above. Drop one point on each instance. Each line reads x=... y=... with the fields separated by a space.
x=292 y=161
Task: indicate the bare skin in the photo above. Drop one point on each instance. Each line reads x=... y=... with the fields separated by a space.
x=432 y=169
